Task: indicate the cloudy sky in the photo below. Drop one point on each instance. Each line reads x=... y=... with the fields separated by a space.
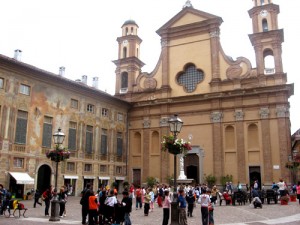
x=81 y=35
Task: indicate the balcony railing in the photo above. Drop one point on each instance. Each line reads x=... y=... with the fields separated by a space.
x=88 y=156
x=269 y=70
x=19 y=148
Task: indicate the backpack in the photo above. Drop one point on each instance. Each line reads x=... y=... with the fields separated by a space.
x=138 y=193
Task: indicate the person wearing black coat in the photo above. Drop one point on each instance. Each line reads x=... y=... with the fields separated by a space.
x=37 y=196
x=190 y=199
x=85 y=194
x=127 y=204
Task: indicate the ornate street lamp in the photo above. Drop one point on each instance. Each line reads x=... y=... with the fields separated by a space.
x=57 y=155
x=175 y=126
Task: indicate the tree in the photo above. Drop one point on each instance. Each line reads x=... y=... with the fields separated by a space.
x=227 y=178
x=210 y=180
x=150 y=181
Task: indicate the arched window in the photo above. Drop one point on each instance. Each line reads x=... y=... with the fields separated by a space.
x=124 y=52
x=126 y=31
x=124 y=80
x=229 y=137
x=137 y=143
x=253 y=141
x=269 y=62
x=262 y=2
x=265 y=25
x=131 y=30
x=155 y=143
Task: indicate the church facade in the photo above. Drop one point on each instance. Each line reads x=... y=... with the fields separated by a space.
x=235 y=115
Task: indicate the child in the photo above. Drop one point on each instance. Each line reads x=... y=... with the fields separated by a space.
x=166 y=203
x=93 y=212
x=211 y=214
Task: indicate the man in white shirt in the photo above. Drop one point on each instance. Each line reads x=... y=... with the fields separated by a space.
x=204 y=200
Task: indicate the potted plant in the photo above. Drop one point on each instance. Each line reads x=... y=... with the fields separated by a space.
x=175 y=146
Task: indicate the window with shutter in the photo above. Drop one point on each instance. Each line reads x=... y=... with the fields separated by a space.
x=47 y=132
x=21 y=127
x=119 y=144
x=103 y=142
x=89 y=140
x=72 y=136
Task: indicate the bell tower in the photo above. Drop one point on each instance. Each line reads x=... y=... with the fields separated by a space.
x=128 y=63
x=266 y=38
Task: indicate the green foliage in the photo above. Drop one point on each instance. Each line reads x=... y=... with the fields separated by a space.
x=225 y=179
x=210 y=180
x=170 y=180
x=125 y=184
x=150 y=181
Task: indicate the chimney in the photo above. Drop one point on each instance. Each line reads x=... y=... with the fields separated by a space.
x=84 y=79
x=18 y=54
x=62 y=71
x=95 y=82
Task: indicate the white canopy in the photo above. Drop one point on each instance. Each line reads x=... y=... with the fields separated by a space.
x=22 y=178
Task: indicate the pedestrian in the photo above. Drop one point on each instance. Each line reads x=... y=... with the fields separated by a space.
x=190 y=198
x=282 y=187
x=37 y=196
x=62 y=197
x=151 y=193
x=298 y=191
x=147 y=200
x=127 y=204
x=101 y=208
x=182 y=207
x=160 y=195
x=84 y=201
x=204 y=201
x=166 y=203
x=93 y=209
x=47 y=196
x=138 y=195
x=110 y=203
x=211 y=214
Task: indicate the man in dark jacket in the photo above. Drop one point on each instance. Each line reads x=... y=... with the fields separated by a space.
x=190 y=198
x=127 y=204
x=85 y=194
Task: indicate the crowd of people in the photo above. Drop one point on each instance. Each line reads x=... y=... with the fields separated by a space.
x=103 y=207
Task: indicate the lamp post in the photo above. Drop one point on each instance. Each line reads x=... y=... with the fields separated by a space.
x=58 y=138
x=175 y=125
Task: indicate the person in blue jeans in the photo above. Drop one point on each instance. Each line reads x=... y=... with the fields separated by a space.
x=127 y=204
x=182 y=208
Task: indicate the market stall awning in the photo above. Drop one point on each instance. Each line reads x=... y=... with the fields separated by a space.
x=104 y=178
x=70 y=177
x=22 y=178
x=89 y=177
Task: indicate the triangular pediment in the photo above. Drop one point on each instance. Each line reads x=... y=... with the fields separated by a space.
x=187 y=16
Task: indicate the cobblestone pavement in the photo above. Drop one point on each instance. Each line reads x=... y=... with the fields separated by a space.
x=226 y=215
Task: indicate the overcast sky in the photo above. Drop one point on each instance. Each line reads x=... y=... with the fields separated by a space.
x=81 y=35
